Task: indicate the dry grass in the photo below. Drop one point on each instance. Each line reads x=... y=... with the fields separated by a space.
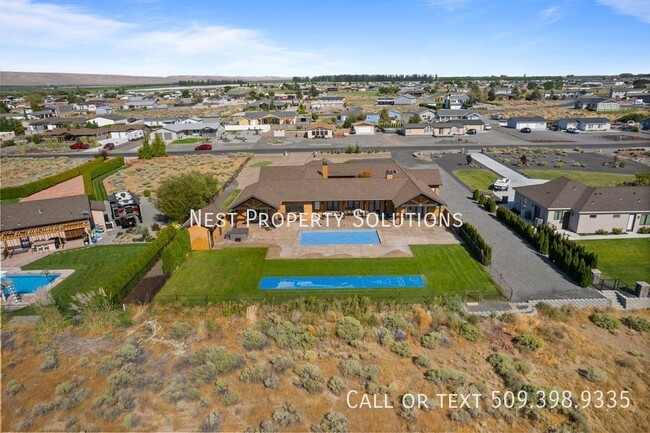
x=147 y=174
x=551 y=110
x=17 y=171
x=567 y=347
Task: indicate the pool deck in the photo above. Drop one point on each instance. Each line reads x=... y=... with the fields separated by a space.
x=283 y=242
x=41 y=296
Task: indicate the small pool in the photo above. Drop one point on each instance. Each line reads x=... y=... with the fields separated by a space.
x=28 y=283
x=339 y=237
x=344 y=282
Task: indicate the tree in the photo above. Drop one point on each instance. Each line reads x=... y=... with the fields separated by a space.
x=383 y=116
x=8 y=124
x=313 y=92
x=475 y=94
x=415 y=118
x=314 y=117
x=531 y=85
x=548 y=85
x=185 y=93
x=35 y=99
x=158 y=147
x=179 y=194
x=347 y=123
x=524 y=159
x=491 y=96
x=3 y=107
x=145 y=152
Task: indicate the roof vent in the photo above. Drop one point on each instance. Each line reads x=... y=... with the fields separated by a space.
x=40 y=211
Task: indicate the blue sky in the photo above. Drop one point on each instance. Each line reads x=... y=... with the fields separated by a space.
x=287 y=38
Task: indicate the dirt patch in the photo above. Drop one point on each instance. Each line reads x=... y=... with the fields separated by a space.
x=74 y=186
x=18 y=171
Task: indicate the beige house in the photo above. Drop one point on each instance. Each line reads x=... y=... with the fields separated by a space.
x=570 y=205
x=363 y=128
x=320 y=130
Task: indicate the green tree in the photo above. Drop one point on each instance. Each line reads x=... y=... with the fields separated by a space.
x=14 y=125
x=185 y=93
x=3 y=107
x=313 y=92
x=158 y=147
x=347 y=123
x=383 y=116
x=548 y=85
x=35 y=100
x=314 y=117
x=491 y=96
x=145 y=151
x=475 y=94
x=179 y=194
x=415 y=118
x=642 y=178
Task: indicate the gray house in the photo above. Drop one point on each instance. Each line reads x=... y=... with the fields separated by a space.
x=585 y=123
x=570 y=205
x=534 y=123
x=597 y=104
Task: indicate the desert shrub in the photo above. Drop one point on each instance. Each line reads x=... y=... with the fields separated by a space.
x=527 y=342
x=180 y=330
x=146 y=193
x=333 y=422
x=82 y=361
x=272 y=381
x=288 y=336
x=470 y=332
x=336 y=385
x=50 y=361
x=430 y=340
x=476 y=194
x=286 y=416
x=506 y=368
x=422 y=361
x=132 y=420
x=226 y=395
x=601 y=232
x=253 y=340
x=178 y=389
x=309 y=377
x=349 y=329
x=280 y=364
x=112 y=403
x=42 y=409
x=562 y=314
x=107 y=364
x=127 y=375
x=593 y=374
x=14 y=387
x=212 y=422
x=383 y=336
x=252 y=374
x=637 y=323
x=352 y=368
x=128 y=353
x=209 y=362
x=605 y=321
x=402 y=348
x=395 y=321
x=446 y=376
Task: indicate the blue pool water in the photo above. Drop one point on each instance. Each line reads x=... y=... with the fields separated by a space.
x=29 y=283
x=339 y=237
x=348 y=282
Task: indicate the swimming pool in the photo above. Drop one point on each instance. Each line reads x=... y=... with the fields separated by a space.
x=343 y=282
x=28 y=283
x=339 y=237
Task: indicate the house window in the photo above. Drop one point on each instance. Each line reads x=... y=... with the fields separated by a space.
x=316 y=205
x=593 y=216
x=645 y=219
x=558 y=214
x=616 y=215
x=298 y=208
x=333 y=205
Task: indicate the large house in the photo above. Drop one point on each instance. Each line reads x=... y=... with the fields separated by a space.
x=385 y=188
x=534 y=122
x=444 y=114
x=455 y=101
x=179 y=131
x=327 y=103
x=362 y=128
x=597 y=104
x=320 y=130
x=570 y=205
x=397 y=100
x=585 y=123
x=268 y=118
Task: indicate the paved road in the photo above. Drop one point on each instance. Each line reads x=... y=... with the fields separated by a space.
x=531 y=275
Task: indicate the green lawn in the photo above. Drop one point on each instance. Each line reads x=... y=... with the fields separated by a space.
x=261 y=164
x=188 y=140
x=591 y=178
x=481 y=178
x=234 y=273
x=93 y=267
x=627 y=259
x=98 y=185
x=233 y=195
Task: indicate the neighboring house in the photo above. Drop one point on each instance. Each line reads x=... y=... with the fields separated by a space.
x=65 y=218
x=178 y=131
x=341 y=118
x=110 y=119
x=385 y=188
x=447 y=129
x=570 y=205
x=618 y=92
x=373 y=117
x=444 y=115
x=405 y=100
x=362 y=128
x=385 y=100
x=597 y=104
x=645 y=124
x=394 y=115
x=90 y=105
x=41 y=126
x=7 y=136
x=103 y=110
x=503 y=93
x=534 y=122
x=327 y=103
x=413 y=129
x=40 y=115
x=427 y=115
x=128 y=131
x=585 y=124
x=455 y=101
x=59 y=108
x=161 y=121
x=320 y=130
x=476 y=124
x=143 y=104
x=268 y=118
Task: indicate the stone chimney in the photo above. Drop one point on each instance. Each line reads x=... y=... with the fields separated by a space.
x=325 y=169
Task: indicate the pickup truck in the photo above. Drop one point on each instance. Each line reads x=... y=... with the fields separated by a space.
x=501 y=184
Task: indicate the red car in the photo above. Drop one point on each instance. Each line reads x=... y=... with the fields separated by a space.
x=79 y=145
x=203 y=146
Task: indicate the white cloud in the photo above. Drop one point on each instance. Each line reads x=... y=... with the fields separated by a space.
x=48 y=37
x=551 y=14
x=640 y=9
x=450 y=5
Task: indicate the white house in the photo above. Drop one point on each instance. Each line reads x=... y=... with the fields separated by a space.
x=362 y=128
x=405 y=100
x=109 y=119
x=140 y=105
x=455 y=101
x=427 y=115
x=585 y=124
x=179 y=131
x=444 y=115
x=534 y=122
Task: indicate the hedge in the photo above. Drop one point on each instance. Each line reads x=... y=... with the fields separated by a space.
x=121 y=284
x=475 y=243
x=176 y=251
x=567 y=255
x=96 y=172
x=94 y=166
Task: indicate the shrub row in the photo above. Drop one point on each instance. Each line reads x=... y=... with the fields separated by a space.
x=176 y=251
x=30 y=188
x=475 y=243
x=120 y=285
x=488 y=202
x=98 y=171
x=570 y=257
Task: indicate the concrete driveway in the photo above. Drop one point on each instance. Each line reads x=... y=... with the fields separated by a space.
x=516 y=179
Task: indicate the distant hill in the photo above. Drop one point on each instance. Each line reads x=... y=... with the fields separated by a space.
x=12 y=78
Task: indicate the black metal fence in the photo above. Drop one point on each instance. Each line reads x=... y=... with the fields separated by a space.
x=614 y=284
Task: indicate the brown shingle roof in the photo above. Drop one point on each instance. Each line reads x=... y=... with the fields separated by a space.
x=17 y=216
x=321 y=125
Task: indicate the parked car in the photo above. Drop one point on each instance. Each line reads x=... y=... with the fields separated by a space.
x=631 y=123
x=471 y=131
x=573 y=130
x=526 y=130
x=488 y=126
x=204 y=146
x=109 y=146
x=501 y=184
x=79 y=145
x=554 y=128
x=497 y=117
